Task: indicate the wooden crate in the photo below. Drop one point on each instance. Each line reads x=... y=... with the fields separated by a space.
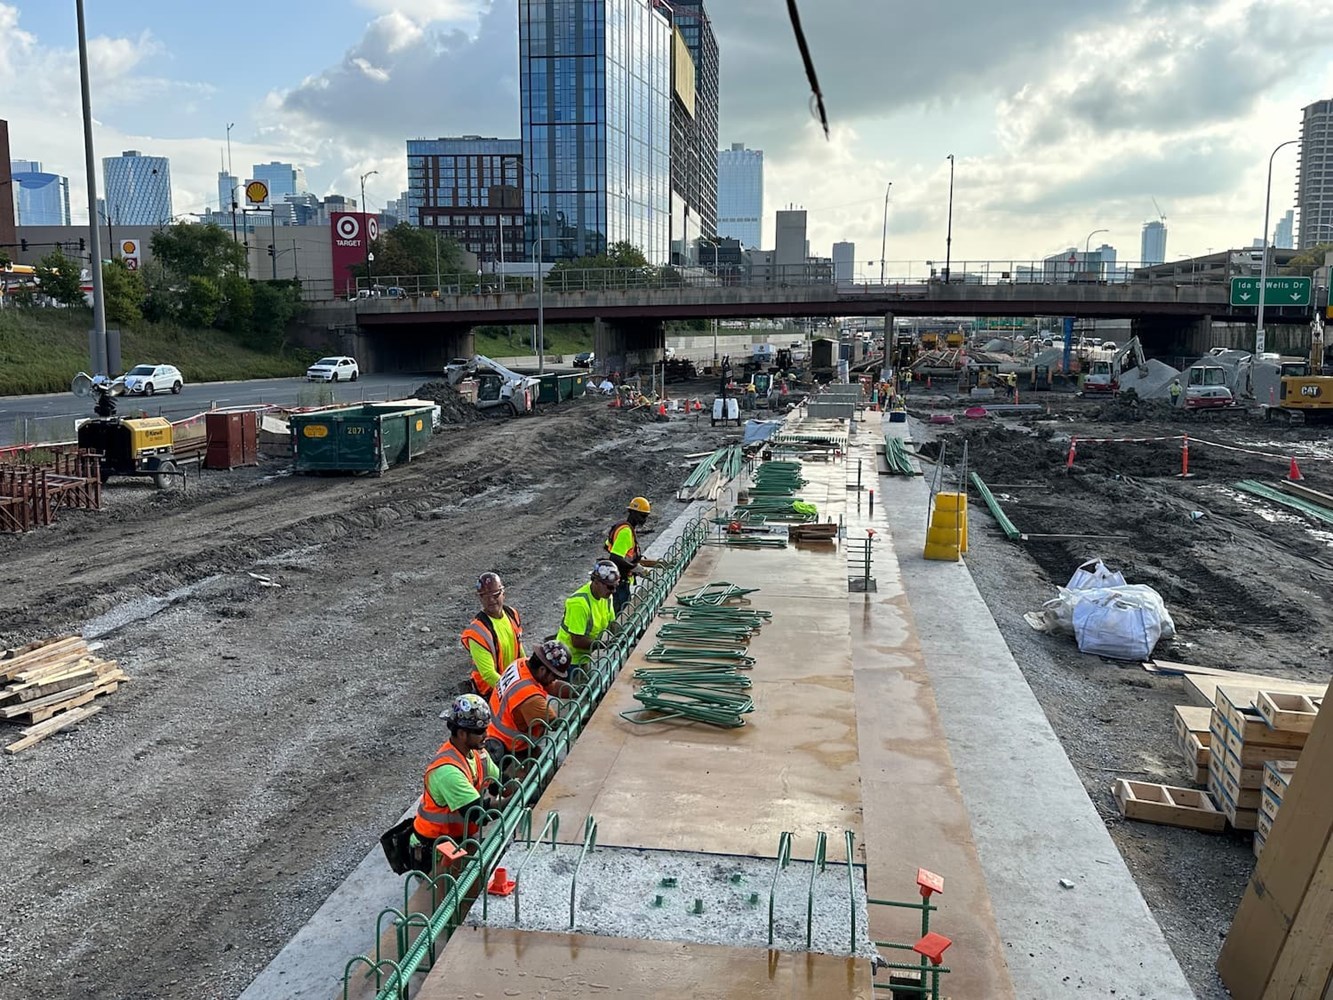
x=1287 y=712
x=1248 y=726
x=1192 y=719
x=1153 y=803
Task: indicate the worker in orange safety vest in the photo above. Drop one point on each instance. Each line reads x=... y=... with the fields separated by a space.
x=494 y=638
x=521 y=704
x=622 y=548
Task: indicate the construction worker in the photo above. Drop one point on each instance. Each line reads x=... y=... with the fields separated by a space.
x=495 y=637
x=461 y=777
x=521 y=702
x=622 y=546
x=1175 y=391
x=589 y=612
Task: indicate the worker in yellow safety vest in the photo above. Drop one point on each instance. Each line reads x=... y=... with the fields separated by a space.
x=589 y=612
x=622 y=547
x=493 y=639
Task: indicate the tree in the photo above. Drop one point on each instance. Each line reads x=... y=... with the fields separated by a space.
x=1310 y=257
x=193 y=251
x=200 y=302
x=407 y=250
x=123 y=292
x=238 y=304
x=618 y=256
x=61 y=278
x=276 y=304
x=5 y=260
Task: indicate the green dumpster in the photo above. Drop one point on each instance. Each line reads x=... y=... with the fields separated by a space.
x=571 y=385
x=370 y=437
x=549 y=389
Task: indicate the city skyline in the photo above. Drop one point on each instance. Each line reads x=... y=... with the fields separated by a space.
x=1047 y=149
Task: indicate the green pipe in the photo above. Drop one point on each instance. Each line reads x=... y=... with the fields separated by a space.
x=589 y=843
x=784 y=857
x=821 y=846
x=997 y=512
x=1287 y=500
x=898 y=458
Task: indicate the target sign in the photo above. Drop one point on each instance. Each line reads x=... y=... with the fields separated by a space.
x=372 y=228
x=348 y=228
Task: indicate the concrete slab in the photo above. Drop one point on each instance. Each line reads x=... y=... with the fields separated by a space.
x=1031 y=818
x=491 y=962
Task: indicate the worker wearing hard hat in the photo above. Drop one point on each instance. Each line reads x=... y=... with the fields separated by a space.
x=460 y=778
x=494 y=638
x=589 y=612
x=521 y=703
x=622 y=547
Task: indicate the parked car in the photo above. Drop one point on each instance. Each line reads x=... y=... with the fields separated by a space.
x=584 y=359
x=1109 y=345
x=335 y=369
x=147 y=379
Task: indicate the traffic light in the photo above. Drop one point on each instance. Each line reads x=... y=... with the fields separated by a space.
x=270 y=249
x=23 y=245
x=81 y=245
x=60 y=247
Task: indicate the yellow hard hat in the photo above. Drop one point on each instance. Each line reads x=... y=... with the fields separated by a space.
x=641 y=504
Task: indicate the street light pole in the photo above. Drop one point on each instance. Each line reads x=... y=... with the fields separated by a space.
x=884 y=233
x=231 y=177
x=1263 y=263
x=538 y=249
x=101 y=361
x=948 y=236
x=1087 y=246
x=365 y=235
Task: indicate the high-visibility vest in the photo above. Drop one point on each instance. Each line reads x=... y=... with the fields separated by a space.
x=584 y=593
x=435 y=820
x=627 y=560
x=516 y=686
x=482 y=631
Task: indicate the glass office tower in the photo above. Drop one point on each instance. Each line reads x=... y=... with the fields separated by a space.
x=740 y=194
x=595 y=82
x=138 y=189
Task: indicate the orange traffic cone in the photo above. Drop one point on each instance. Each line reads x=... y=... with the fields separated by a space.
x=501 y=883
x=1294 y=473
x=661 y=408
x=617 y=403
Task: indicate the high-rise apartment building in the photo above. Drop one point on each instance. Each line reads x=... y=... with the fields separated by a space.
x=1283 y=233
x=1314 y=178
x=471 y=189
x=740 y=194
x=282 y=179
x=1152 y=246
x=694 y=123
x=596 y=89
x=43 y=198
x=137 y=189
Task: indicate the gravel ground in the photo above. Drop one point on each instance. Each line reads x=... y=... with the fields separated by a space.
x=1246 y=585
x=171 y=846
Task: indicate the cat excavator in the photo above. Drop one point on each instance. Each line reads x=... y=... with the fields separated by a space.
x=1305 y=392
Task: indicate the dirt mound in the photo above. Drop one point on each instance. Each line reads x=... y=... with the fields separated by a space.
x=454 y=408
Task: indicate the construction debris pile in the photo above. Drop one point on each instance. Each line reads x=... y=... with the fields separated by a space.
x=1107 y=616
x=51 y=684
x=455 y=408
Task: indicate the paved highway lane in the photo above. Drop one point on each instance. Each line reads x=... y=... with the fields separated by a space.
x=51 y=417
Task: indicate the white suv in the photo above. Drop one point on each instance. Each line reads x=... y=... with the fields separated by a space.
x=335 y=369
x=148 y=379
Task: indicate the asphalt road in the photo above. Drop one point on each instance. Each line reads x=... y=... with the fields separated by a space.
x=51 y=417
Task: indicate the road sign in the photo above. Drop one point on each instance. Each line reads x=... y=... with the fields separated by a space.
x=1277 y=292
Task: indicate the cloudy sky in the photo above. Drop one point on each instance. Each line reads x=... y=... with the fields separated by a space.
x=1064 y=117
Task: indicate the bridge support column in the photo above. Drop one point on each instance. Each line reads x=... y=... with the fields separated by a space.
x=628 y=346
x=888 y=344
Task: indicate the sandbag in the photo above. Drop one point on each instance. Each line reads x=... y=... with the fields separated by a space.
x=1116 y=629
x=1093 y=575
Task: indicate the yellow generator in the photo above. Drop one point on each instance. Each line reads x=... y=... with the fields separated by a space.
x=137 y=446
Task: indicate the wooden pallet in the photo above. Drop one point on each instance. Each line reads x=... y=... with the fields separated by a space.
x=49 y=684
x=1153 y=803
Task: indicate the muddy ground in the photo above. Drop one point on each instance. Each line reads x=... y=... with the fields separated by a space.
x=1247 y=584
x=170 y=846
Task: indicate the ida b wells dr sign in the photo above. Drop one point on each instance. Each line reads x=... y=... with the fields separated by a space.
x=351 y=230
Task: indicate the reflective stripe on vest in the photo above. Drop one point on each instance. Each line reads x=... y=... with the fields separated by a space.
x=488 y=638
x=433 y=820
x=632 y=555
x=516 y=686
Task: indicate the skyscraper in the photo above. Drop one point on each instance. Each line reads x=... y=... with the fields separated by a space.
x=43 y=198
x=694 y=116
x=282 y=179
x=138 y=189
x=844 y=262
x=740 y=194
x=1314 y=179
x=227 y=184
x=469 y=188
x=1152 y=248
x=595 y=81
x=1282 y=234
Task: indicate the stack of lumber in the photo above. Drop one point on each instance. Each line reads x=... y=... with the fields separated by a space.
x=51 y=684
x=1243 y=740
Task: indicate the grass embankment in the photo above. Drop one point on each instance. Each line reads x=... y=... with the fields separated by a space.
x=42 y=349
x=508 y=342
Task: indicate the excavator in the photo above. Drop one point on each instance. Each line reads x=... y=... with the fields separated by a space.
x=497 y=386
x=1305 y=393
x=1103 y=377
